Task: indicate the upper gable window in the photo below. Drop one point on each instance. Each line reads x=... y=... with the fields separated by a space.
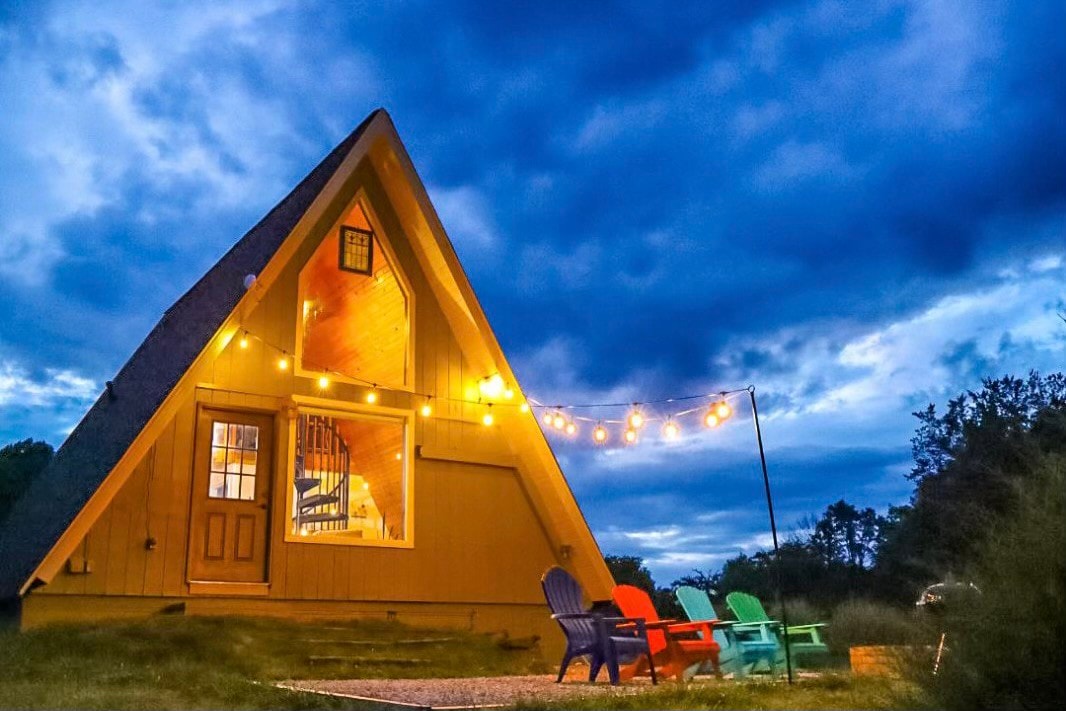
x=355 y=308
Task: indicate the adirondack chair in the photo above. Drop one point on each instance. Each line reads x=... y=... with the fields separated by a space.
x=803 y=640
x=742 y=651
x=599 y=637
x=673 y=653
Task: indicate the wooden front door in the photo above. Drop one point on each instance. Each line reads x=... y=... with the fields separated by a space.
x=229 y=528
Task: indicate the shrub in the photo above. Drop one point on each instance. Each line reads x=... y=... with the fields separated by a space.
x=1008 y=649
x=862 y=622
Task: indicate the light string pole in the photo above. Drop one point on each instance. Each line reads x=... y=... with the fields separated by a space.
x=773 y=532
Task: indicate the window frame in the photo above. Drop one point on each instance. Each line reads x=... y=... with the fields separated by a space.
x=387 y=253
x=309 y=405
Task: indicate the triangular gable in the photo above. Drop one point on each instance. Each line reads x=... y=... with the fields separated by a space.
x=49 y=521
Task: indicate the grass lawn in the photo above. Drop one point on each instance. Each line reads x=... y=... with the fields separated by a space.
x=228 y=663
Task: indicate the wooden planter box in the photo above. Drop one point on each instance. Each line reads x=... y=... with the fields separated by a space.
x=883 y=660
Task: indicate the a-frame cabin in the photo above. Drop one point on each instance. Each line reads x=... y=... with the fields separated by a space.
x=243 y=461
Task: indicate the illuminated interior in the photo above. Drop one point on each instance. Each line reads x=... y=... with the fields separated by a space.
x=348 y=479
x=354 y=325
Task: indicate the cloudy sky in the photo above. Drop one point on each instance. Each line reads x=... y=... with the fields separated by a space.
x=859 y=207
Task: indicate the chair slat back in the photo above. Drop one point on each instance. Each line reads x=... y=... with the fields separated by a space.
x=746 y=607
x=634 y=602
x=563 y=594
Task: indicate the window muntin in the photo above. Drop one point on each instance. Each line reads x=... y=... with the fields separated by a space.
x=349 y=480
x=234 y=459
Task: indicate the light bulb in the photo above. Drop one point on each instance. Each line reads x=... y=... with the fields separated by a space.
x=366 y=486
x=283 y=363
x=523 y=408
x=635 y=420
x=487 y=419
x=630 y=436
x=548 y=419
x=323 y=382
x=723 y=410
x=558 y=421
x=399 y=456
x=492 y=387
x=710 y=419
x=243 y=343
x=371 y=397
x=599 y=435
x=427 y=410
x=671 y=430
x=571 y=428
x=508 y=394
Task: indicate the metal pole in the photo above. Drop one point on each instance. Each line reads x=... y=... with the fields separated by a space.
x=773 y=531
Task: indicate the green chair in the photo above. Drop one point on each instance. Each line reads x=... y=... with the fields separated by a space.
x=803 y=640
x=744 y=650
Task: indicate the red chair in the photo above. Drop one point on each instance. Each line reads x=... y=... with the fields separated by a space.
x=675 y=646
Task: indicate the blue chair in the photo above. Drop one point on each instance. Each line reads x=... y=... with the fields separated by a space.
x=744 y=647
x=594 y=635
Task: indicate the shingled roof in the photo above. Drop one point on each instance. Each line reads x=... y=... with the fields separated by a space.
x=92 y=450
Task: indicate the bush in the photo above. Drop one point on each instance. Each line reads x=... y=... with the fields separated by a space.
x=862 y=622
x=1008 y=649
x=800 y=611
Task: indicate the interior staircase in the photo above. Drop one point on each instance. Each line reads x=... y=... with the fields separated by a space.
x=321 y=478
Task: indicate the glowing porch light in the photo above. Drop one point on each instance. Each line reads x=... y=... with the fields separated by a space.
x=371 y=397
x=426 y=410
x=491 y=387
x=508 y=394
x=323 y=382
x=571 y=428
x=243 y=343
x=548 y=418
x=523 y=408
x=723 y=410
x=630 y=435
x=558 y=421
x=283 y=362
x=599 y=435
x=671 y=430
x=710 y=420
x=635 y=420
x=487 y=419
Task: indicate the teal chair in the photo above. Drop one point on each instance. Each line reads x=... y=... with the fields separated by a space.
x=745 y=648
x=803 y=640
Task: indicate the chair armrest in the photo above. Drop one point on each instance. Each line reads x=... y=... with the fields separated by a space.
x=797 y=628
x=722 y=623
x=688 y=626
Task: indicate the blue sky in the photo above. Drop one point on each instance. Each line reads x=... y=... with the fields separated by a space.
x=859 y=207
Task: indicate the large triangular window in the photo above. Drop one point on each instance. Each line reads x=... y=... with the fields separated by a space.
x=355 y=308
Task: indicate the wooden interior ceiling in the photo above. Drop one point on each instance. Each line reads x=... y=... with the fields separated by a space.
x=354 y=324
x=373 y=447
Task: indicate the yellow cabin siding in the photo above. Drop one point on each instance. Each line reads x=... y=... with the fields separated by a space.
x=478 y=540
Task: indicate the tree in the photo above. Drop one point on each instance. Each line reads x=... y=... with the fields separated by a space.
x=845 y=535
x=20 y=462
x=969 y=463
x=630 y=570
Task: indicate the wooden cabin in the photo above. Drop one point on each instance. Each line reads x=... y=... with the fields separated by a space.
x=303 y=434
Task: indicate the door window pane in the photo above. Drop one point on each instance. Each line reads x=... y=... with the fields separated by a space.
x=234 y=460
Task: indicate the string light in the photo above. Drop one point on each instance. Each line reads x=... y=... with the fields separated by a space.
x=494 y=387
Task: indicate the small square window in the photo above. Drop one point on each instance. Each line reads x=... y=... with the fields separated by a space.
x=357 y=250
